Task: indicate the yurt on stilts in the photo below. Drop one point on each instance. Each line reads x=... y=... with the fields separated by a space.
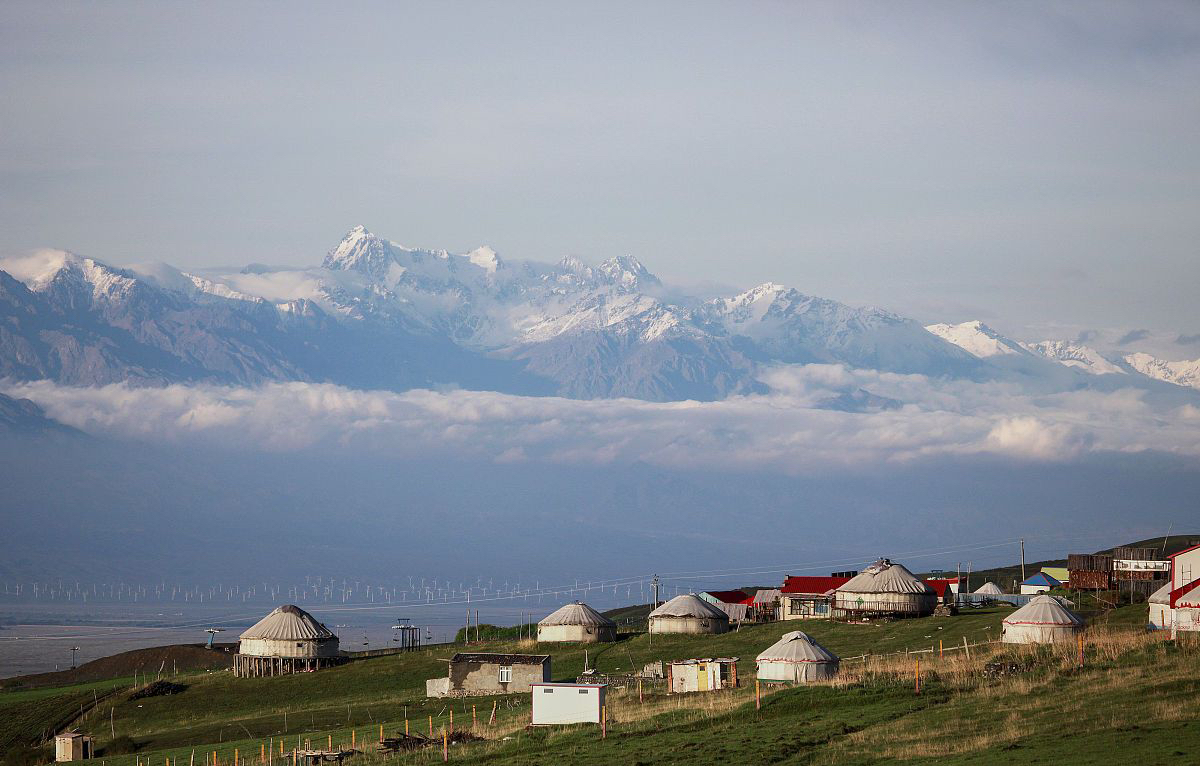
x=884 y=589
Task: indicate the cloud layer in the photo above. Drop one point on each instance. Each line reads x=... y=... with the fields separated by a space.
x=785 y=431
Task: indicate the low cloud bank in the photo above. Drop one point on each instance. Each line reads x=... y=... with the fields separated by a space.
x=787 y=430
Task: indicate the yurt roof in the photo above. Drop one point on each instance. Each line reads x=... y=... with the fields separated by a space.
x=689 y=605
x=989 y=589
x=288 y=623
x=885 y=576
x=1043 y=610
x=1162 y=595
x=577 y=613
x=797 y=646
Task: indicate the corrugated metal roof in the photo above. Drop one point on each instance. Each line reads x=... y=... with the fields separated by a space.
x=940 y=584
x=815 y=585
x=500 y=659
x=1041 y=578
x=729 y=596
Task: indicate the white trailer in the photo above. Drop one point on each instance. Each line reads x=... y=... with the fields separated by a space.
x=567 y=703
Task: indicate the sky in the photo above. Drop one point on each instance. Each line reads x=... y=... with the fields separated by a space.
x=1034 y=165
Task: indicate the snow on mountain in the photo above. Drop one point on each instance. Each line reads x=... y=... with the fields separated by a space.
x=1184 y=373
x=1078 y=356
x=379 y=314
x=788 y=326
x=977 y=339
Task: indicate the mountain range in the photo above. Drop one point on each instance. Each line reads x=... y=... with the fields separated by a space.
x=376 y=314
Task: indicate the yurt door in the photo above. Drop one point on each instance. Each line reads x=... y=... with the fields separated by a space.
x=702 y=677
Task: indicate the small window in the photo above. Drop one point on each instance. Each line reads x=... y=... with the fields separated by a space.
x=505 y=674
x=547 y=690
x=583 y=691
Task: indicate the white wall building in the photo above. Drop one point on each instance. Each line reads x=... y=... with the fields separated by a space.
x=567 y=703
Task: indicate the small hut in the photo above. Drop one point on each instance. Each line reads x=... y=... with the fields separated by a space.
x=706 y=675
x=797 y=658
x=884 y=589
x=1039 y=583
x=688 y=613
x=1042 y=621
x=1160 y=608
x=989 y=588
x=288 y=640
x=576 y=622
x=73 y=746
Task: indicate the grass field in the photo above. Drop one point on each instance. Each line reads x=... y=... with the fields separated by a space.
x=1134 y=695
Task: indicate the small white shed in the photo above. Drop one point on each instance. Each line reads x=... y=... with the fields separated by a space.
x=567 y=703
x=72 y=746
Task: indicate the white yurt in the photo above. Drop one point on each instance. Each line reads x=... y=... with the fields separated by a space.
x=989 y=589
x=688 y=614
x=796 y=657
x=576 y=622
x=287 y=640
x=884 y=589
x=1043 y=620
x=1160 y=607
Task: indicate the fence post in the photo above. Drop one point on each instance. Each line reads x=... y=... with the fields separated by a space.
x=603 y=721
x=917 y=675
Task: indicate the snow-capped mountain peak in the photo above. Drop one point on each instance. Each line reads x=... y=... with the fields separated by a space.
x=1184 y=373
x=628 y=272
x=1078 y=356
x=977 y=339
x=485 y=258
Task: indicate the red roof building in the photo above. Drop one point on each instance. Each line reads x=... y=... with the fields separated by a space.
x=819 y=585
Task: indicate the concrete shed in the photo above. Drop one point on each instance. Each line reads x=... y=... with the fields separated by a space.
x=567 y=703
x=688 y=614
x=576 y=622
x=884 y=589
x=797 y=658
x=1043 y=620
x=287 y=640
x=472 y=673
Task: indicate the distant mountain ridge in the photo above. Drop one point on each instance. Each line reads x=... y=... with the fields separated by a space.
x=377 y=314
x=978 y=339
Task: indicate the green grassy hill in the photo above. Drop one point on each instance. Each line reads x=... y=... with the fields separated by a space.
x=866 y=717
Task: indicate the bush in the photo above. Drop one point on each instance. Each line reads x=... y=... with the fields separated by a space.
x=120 y=746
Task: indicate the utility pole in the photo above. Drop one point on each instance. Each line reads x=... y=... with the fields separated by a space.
x=1022 y=559
x=654 y=586
x=73 y=650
